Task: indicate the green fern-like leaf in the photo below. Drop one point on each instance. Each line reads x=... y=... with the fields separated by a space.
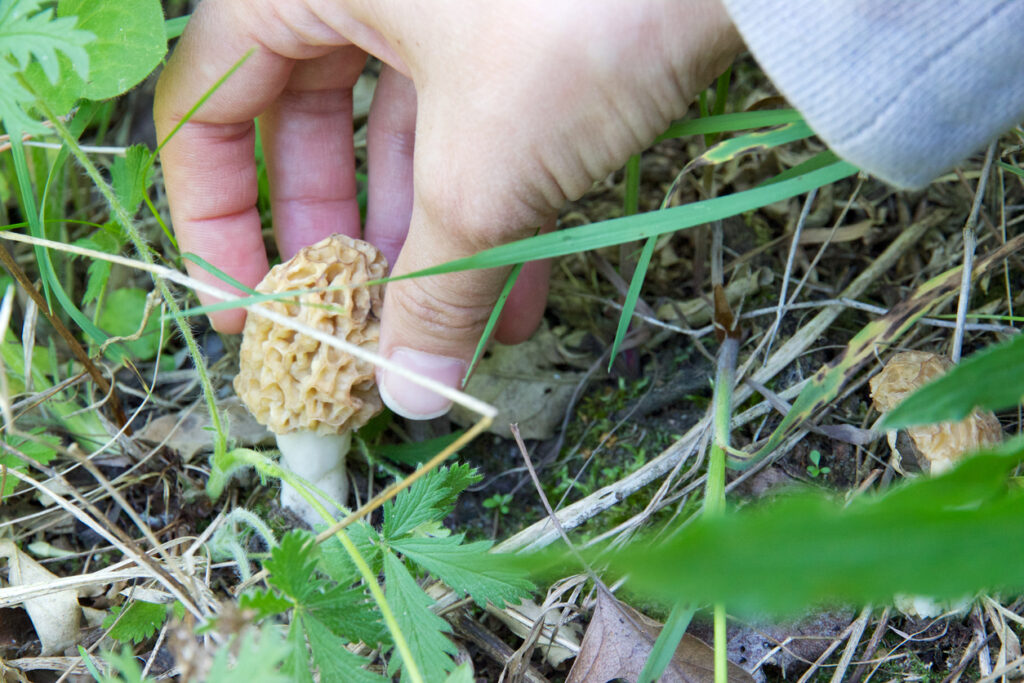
x=424 y=630
x=292 y=565
x=137 y=623
x=430 y=499
x=28 y=34
x=468 y=568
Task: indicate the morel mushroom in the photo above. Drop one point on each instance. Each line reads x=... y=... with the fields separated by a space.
x=311 y=395
x=940 y=445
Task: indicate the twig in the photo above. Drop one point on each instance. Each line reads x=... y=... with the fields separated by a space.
x=970 y=242
x=790 y=258
x=79 y=353
x=851 y=645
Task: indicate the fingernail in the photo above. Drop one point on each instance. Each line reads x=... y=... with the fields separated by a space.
x=409 y=399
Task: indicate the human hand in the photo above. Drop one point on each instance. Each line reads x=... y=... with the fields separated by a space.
x=486 y=119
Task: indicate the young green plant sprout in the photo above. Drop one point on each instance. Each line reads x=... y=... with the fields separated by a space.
x=311 y=395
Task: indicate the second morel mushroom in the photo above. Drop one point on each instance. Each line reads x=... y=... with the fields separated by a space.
x=311 y=395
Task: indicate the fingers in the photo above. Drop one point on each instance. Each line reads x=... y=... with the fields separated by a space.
x=389 y=142
x=307 y=144
x=432 y=325
x=209 y=168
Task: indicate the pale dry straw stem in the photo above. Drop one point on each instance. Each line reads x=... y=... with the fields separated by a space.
x=479 y=407
x=970 y=243
x=847 y=633
x=87 y=520
x=794 y=244
x=859 y=626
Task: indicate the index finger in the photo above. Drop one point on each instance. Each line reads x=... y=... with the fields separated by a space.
x=209 y=165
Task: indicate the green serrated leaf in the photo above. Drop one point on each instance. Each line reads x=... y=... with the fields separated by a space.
x=265 y=602
x=292 y=565
x=125 y=664
x=35 y=41
x=137 y=623
x=468 y=568
x=348 y=613
x=463 y=673
x=423 y=630
x=251 y=658
x=130 y=42
x=296 y=664
x=337 y=564
x=332 y=659
x=991 y=379
x=429 y=499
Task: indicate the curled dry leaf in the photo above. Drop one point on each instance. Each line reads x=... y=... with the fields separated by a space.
x=619 y=639
x=942 y=444
x=55 y=615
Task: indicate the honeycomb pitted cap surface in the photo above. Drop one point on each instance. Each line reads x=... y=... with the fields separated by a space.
x=291 y=382
x=942 y=444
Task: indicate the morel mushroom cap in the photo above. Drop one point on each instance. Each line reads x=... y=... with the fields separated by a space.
x=313 y=395
x=291 y=382
x=942 y=444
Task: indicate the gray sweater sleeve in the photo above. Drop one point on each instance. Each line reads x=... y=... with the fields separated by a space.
x=904 y=89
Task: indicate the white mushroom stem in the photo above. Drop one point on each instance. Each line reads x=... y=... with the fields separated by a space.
x=320 y=460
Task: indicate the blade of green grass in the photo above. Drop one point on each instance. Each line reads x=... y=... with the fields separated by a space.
x=1016 y=170
x=665 y=645
x=218 y=273
x=639 y=227
x=176 y=26
x=819 y=160
x=727 y=123
x=47 y=273
x=499 y=306
x=751 y=142
x=629 y=304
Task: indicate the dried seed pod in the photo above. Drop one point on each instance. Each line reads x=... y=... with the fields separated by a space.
x=942 y=444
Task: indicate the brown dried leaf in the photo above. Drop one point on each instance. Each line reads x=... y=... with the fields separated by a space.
x=190 y=433
x=619 y=639
x=942 y=444
x=56 y=614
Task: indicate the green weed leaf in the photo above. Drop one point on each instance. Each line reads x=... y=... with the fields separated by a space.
x=468 y=568
x=131 y=176
x=348 y=613
x=292 y=565
x=28 y=37
x=945 y=537
x=337 y=564
x=424 y=630
x=429 y=499
x=137 y=623
x=264 y=603
x=256 y=659
x=992 y=378
x=332 y=659
x=130 y=42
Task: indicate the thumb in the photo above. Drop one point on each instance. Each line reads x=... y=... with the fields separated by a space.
x=432 y=325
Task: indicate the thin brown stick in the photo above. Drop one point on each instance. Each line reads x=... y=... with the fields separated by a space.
x=77 y=350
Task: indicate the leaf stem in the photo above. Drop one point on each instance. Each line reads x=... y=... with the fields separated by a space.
x=714 y=492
